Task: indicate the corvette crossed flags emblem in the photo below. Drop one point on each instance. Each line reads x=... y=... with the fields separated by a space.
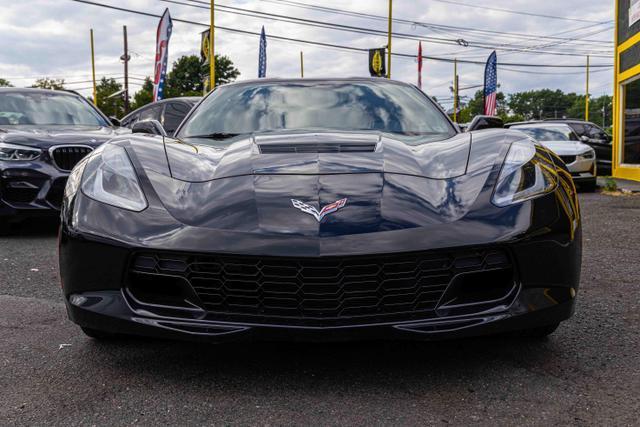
x=318 y=215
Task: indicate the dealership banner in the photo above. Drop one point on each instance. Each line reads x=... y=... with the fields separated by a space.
x=162 y=55
x=377 y=67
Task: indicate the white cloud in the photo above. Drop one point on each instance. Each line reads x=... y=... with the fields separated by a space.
x=54 y=40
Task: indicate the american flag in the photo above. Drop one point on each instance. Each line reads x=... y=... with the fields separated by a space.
x=262 y=57
x=162 y=54
x=420 y=65
x=491 y=86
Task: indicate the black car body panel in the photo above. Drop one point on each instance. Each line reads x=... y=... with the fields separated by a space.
x=418 y=251
x=34 y=187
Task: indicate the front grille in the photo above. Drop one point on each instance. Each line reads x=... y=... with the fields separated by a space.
x=568 y=159
x=317 y=148
x=67 y=156
x=318 y=291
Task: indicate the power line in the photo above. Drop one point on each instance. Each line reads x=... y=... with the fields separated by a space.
x=341 y=27
x=330 y=45
x=345 y=12
x=516 y=12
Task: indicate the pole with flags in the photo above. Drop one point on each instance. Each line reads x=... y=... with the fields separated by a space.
x=162 y=55
x=491 y=85
x=262 y=57
x=212 y=57
x=389 y=39
x=93 y=71
x=420 y=65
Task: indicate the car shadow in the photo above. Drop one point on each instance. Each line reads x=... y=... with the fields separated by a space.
x=388 y=364
x=34 y=227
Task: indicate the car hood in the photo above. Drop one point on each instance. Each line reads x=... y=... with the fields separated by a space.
x=243 y=189
x=566 y=148
x=45 y=137
x=317 y=153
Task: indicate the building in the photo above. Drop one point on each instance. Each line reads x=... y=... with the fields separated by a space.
x=626 y=124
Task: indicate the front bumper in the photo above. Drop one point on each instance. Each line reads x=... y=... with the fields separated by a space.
x=583 y=169
x=29 y=189
x=97 y=297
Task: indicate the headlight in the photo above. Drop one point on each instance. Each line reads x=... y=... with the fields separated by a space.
x=587 y=155
x=109 y=178
x=11 y=152
x=524 y=176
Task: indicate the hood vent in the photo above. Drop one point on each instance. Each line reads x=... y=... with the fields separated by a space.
x=317 y=148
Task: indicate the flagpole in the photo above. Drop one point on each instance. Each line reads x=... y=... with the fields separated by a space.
x=389 y=39
x=586 y=108
x=93 y=71
x=301 y=65
x=212 y=57
x=455 y=90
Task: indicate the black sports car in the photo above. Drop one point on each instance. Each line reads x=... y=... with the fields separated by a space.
x=43 y=134
x=320 y=210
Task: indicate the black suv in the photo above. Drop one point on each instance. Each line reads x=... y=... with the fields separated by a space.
x=594 y=136
x=43 y=134
x=168 y=112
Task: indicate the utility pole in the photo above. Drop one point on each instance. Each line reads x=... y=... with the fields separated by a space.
x=604 y=114
x=455 y=90
x=389 y=39
x=125 y=58
x=212 y=56
x=586 y=108
x=301 y=65
x=93 y=71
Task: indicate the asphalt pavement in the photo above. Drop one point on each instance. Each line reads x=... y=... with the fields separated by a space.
x=587 y=373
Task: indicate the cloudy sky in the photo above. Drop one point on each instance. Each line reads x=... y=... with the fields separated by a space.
x=51 y=38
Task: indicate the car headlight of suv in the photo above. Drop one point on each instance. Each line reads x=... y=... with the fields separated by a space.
x=12 y=152
x=109 y=177
x=587 y=155
x=524 y=175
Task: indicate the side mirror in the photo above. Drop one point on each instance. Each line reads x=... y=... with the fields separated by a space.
x=585 y=139
x=115 y=121
x=152 y=127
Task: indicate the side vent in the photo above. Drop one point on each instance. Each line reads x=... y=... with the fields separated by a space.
x=317 y=148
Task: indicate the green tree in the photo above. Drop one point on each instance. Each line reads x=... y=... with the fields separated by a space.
x=188 y=74
x=475 y=107
x=5 y=83
x=144 y=96
x=111 y=106
x=541 y=104
x=47 y=83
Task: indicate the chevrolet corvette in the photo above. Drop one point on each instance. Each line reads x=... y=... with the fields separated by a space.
x=320 y=209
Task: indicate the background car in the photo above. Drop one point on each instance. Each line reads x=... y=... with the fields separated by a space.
x=320 y=209
x=43 y=135
x=562 y=140
x=592 y=135
x=168 y=112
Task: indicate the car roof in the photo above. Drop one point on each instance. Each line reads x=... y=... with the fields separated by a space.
x=538 y=125
x=315 y=80
x=37 y=90
x=187 y=99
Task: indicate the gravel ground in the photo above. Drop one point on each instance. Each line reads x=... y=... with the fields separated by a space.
x=585 y=374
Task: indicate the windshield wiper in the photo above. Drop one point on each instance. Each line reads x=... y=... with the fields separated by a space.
x=215 y=135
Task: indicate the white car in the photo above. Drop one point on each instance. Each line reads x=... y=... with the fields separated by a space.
x=562 y=140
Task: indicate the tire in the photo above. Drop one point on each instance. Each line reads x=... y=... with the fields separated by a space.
x=96 y=334
x=589 y=186
x=539 y=333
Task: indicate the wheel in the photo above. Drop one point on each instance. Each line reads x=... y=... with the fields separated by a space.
x=541 y=332
x=589 y=186
x=96 y=334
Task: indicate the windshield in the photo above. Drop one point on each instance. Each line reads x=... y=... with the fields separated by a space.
x=41 y=108
x=559 y=133
x=341 y=106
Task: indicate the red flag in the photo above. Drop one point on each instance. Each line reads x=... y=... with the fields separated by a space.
x=420 y=65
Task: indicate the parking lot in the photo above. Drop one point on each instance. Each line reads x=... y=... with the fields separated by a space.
x=586 y=373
